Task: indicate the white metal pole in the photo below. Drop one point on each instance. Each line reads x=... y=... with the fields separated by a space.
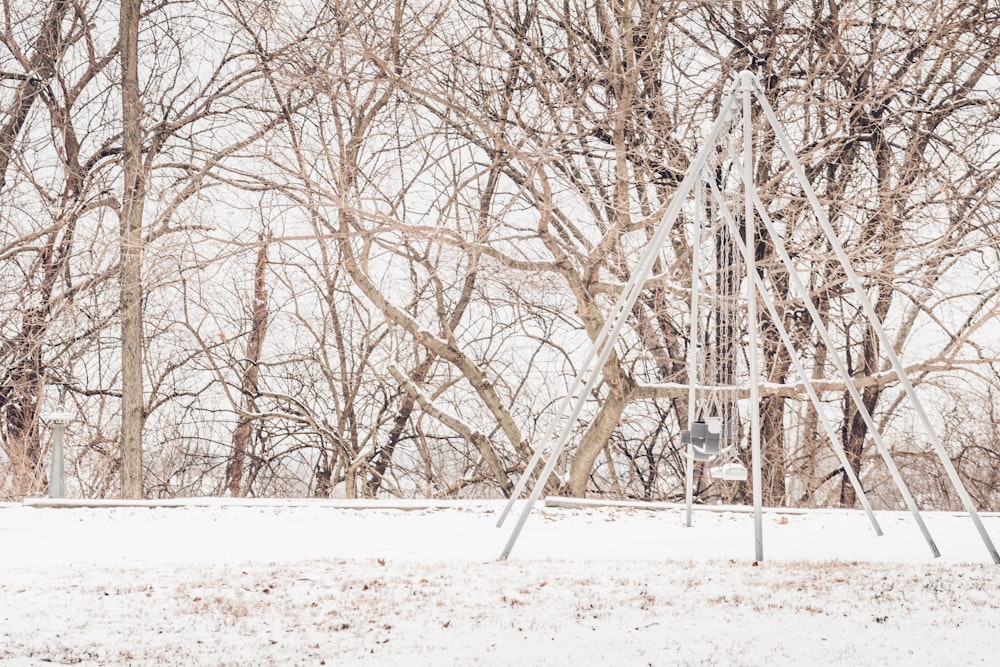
x=880 y=332
x=693 y=345
x=629 y=294
x=786 y=339
x=588 y=375
x=58 y=418
x=746 y=87
x=56 y=475
x=612 y=327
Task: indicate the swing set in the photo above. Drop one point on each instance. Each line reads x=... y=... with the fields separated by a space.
x=723 y=366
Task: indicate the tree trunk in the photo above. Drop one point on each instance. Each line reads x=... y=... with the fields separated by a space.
x=881 y=238
x=777 y=361
x=131 y=255
x=407 y=404
x=772 y=438
x=596 y=439
x=855 y=429
x=251 y=374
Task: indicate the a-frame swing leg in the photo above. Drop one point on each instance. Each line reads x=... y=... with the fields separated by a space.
x=876 y=323
x=607 y=337
x=750 y=262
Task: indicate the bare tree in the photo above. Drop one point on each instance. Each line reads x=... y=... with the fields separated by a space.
x=133 y=199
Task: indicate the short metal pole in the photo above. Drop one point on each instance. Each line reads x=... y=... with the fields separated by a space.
x=57 y=473
x=58 y=418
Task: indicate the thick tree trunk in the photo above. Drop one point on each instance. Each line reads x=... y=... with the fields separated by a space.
x=854 y=440
x=407 y=404
x=855 y=429
x=772 y=437
x=251 y=375
x=596 y=439
x=880 y=236
x=131 y=255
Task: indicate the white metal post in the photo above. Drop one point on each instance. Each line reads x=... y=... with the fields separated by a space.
x=58 y=418
x=880 y=332
x=694 y=343
x=608 y=335
x=56 y=476
x=750 y=260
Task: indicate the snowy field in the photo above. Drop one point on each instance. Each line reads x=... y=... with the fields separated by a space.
x=301 y=583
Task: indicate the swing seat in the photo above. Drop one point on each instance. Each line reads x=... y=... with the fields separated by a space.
x=697 y=443
x=732 y=471
x=710 y=436
x=719 y=427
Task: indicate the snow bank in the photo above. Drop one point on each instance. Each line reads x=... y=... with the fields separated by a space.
x=303 y=583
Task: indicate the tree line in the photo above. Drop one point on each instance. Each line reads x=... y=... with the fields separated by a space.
x=359 y=248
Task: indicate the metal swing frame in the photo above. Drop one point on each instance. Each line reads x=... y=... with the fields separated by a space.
x=738 y=105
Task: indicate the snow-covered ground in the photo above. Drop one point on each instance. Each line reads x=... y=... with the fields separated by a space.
x=302 y=583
